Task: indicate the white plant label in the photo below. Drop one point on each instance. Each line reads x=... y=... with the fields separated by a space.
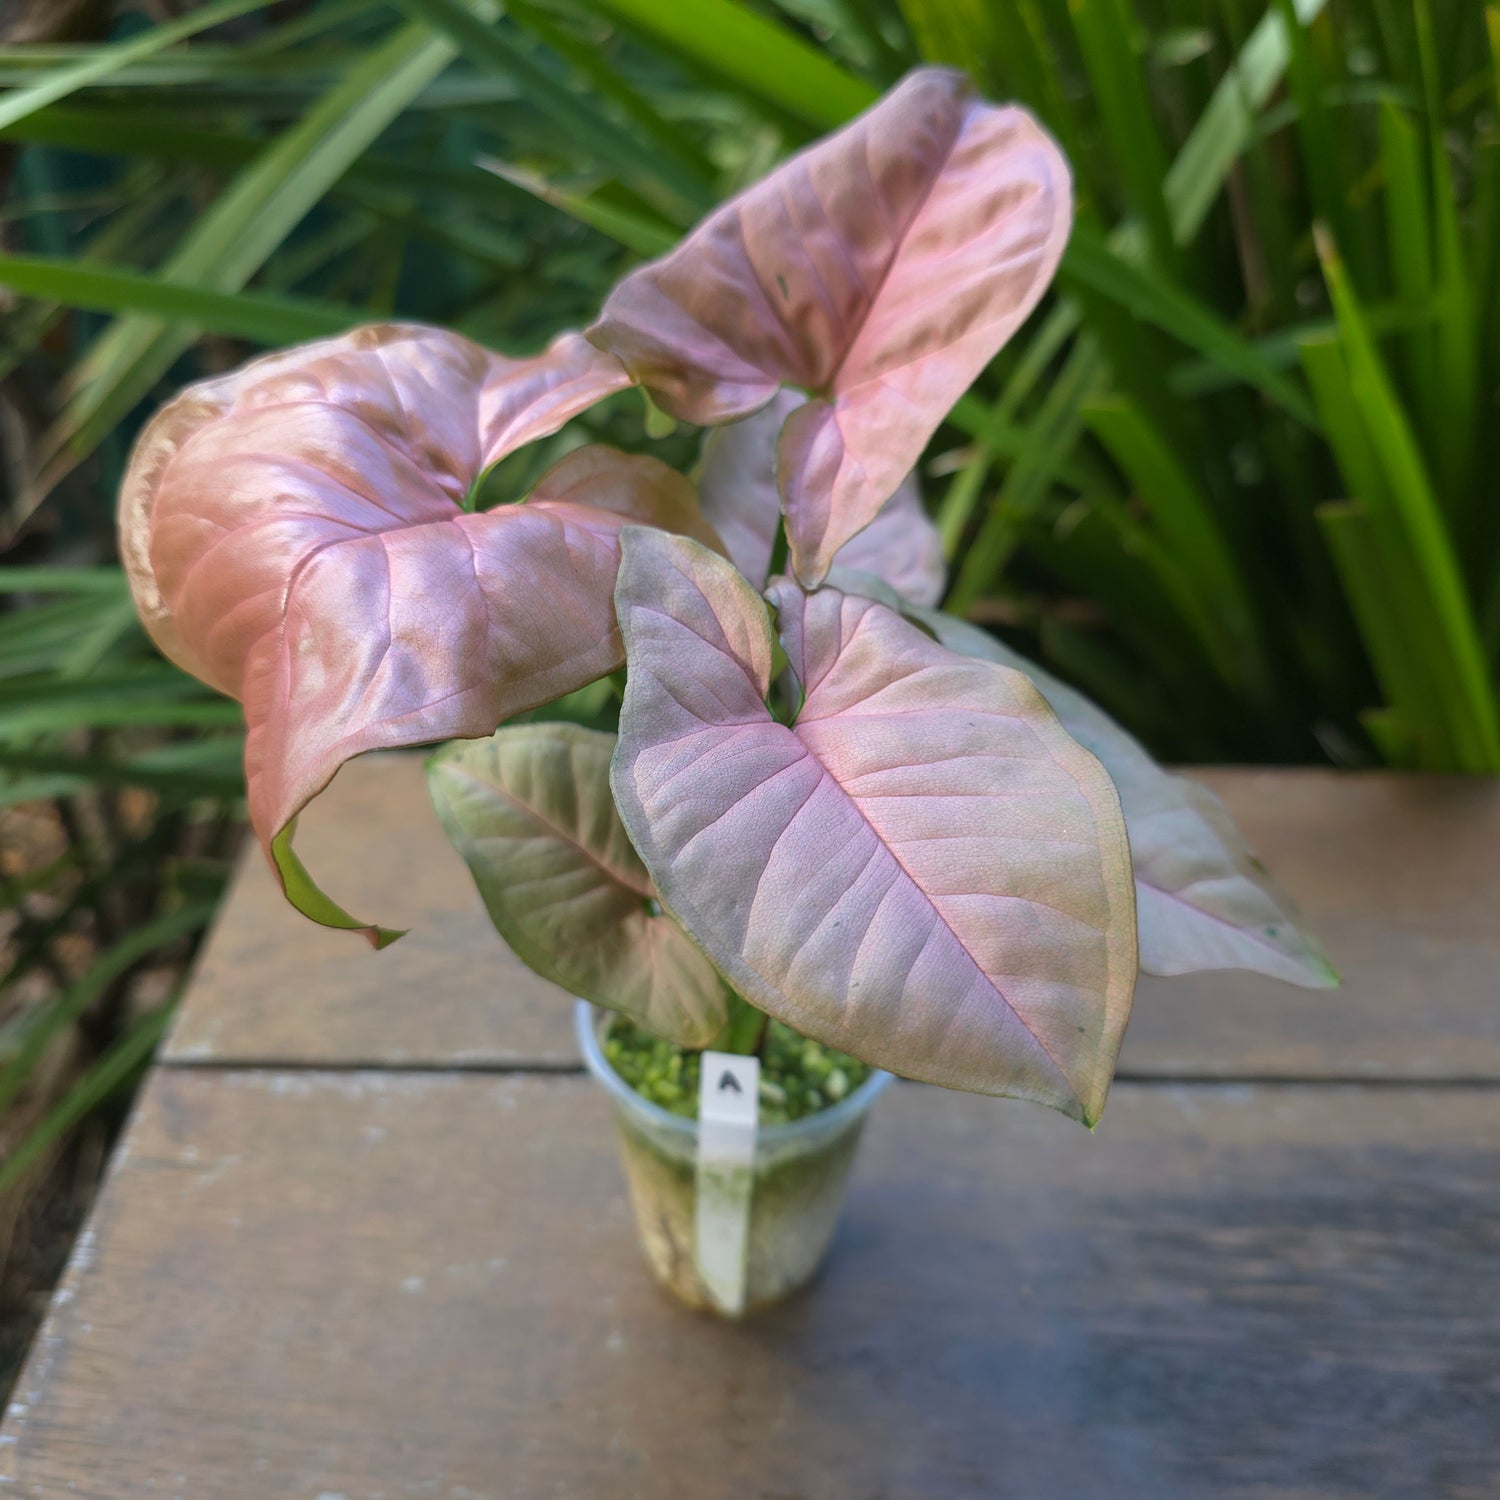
x=728 y=1114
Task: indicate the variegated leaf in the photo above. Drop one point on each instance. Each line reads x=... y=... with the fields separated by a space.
x=296 y=535
x=1204 y=900
x=737 y=489
x=880 y=271
x=530 y=810
x=924 y=870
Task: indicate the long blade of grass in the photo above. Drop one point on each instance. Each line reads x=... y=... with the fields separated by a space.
x=113 y=1070
x=1196 y=624
x=62 y=581
x=1083 y=547
x=1193 y=182
x=1105 y=34
x=759 y=56
x=1384 y=468
x=1189 y=531
x=574 y=115
x=103 y=972
x=960 y=33
x=1492 y=30
x=1377 y=599
x=610 y=82
x=133 y=130
x=260 y=317
x=1199 y=170
x=192 y=768
x=100 y=62
x=89 y=711
x=859 y=29
x=1452 y=440
x=1409 y=245
x=158 y=134
x=645 y=236
x=1282 y=350
x=144 y=681
x=324 y=17
x=992 y=426
x=233 y=239
x=1327 y=175
x=1050 y=438
x=1152 y=298
x=43 y=637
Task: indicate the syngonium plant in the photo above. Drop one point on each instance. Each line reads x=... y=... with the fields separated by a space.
x=827 y=802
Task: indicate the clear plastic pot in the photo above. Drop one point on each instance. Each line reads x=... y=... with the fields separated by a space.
x=797 y=1189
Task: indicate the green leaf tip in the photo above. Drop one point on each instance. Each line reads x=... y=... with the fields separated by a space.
x=309 y=898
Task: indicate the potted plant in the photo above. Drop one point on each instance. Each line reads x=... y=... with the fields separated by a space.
x=836 y=829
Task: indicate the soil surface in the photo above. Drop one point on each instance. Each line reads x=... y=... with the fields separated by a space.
x=798 y=1077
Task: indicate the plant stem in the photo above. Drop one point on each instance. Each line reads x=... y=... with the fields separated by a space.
x=744 y=1030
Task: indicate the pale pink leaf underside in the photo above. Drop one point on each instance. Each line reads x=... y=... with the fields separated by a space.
x=925 y=870
x=880 y=270
x=737 y=490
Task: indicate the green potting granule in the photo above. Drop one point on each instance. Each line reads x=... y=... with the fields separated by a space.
x=798 y=1077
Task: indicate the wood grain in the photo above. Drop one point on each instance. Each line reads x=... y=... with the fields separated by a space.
x=273 y=987
x=383 y=1287
x=1398 y=874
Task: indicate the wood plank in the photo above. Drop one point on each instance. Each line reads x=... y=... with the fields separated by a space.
x=273 y=987
x=1398 y=873
x=318 y=1285
x=1399 y=876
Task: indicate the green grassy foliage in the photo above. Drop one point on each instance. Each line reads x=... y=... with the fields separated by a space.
x=1233 y=478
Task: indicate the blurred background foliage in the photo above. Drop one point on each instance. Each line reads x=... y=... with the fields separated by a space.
x=1234 y=479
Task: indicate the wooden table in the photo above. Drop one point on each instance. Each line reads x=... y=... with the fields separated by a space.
x=365 y=1237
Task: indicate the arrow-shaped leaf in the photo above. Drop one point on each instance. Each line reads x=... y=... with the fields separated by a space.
x=737 y=489
x=880 y=271
x=530 y=811
x=296 y=535
x=1204 y=900
x=924 y=870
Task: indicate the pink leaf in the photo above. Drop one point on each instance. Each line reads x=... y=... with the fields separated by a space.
x=880 y=270
x=294 y=535
x=925 y=870
x=737 y=485
x=901 y=546
x=737 y=489
x=1204 y=900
